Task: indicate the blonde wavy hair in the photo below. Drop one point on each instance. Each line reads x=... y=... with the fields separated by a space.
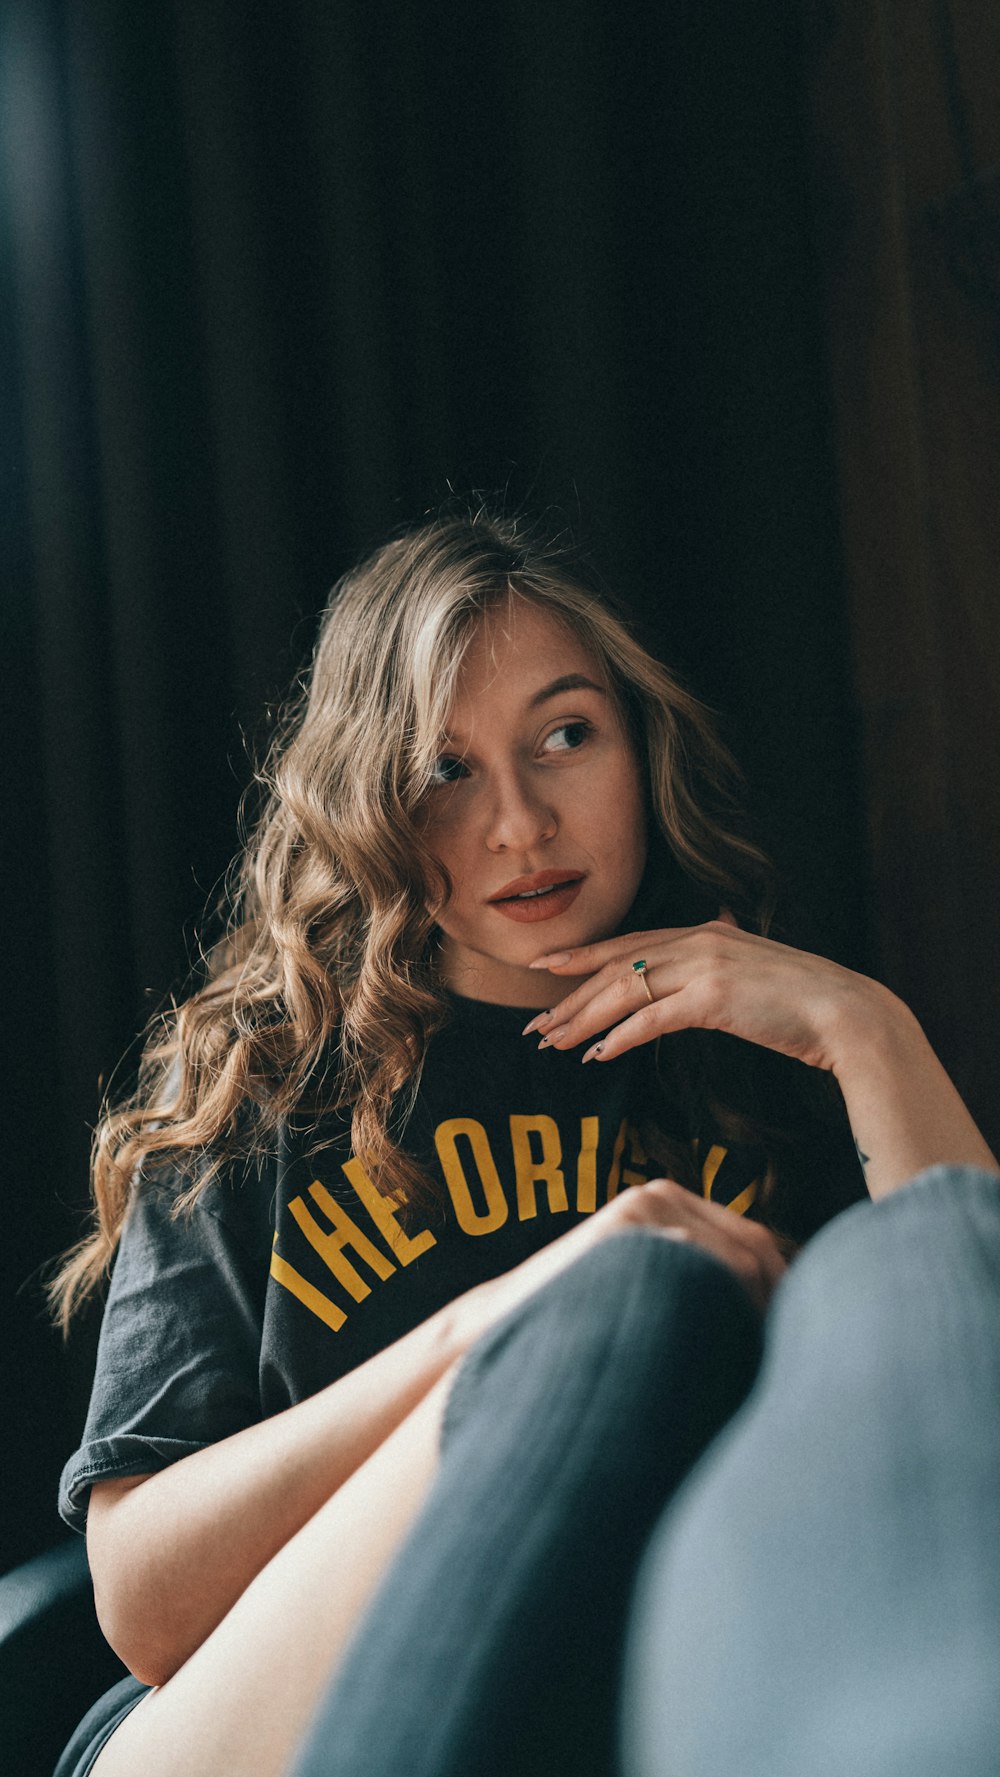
x=323 y=993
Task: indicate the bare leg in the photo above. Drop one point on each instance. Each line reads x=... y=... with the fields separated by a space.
x=492 y=1647
x=244 y=1699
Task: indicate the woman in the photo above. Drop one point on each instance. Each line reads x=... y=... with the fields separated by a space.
x=499 y=843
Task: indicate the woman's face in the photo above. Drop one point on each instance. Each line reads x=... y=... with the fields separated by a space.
x=538 y=789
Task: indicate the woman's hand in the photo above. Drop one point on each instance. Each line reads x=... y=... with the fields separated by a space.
x=662 y=1207
x=904 y=1111
x=710 y=977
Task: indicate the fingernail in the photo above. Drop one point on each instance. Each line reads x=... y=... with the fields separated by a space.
x=555 y=961
x=596 y=1049
x=553 y=1037
x=535 y=1024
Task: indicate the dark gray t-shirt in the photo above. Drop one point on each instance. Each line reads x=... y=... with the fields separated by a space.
x=286 y=1276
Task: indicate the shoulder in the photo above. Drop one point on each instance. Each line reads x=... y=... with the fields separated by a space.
x=183 y=1192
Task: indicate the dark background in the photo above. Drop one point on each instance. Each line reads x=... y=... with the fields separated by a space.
x=273 y=279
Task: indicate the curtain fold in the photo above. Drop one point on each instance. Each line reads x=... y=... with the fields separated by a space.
x=274 y=279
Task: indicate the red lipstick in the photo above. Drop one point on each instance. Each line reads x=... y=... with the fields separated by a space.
x=542 y=895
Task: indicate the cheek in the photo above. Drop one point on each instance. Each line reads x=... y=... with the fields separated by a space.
x=633 y=823
x=442 y=832
x=634 y=849
x=447 y=842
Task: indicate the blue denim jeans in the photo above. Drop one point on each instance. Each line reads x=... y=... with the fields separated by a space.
x=824 y=1595
x=670 y=1540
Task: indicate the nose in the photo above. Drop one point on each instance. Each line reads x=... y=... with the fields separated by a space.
x=520 y=817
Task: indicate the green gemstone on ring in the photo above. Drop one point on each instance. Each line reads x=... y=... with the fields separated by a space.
x=639 y=967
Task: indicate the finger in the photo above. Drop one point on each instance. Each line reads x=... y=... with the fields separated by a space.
x=671 y=1012
x=668 y=1202
x=613 y=979
x=606 y=999
x=731 y=1226
x=671 y=958
x=618 y=999
x=747 y=1248
x=620 y=987
x=588 y=958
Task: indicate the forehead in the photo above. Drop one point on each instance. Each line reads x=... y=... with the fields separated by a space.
x=515 y=649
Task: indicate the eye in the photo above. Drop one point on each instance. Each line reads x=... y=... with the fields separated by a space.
x=568 y=736
x=448 y=769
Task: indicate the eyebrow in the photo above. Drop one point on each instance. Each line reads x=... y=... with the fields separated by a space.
x=568 y=682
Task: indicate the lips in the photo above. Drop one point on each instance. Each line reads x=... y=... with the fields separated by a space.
x=533 y=885
x=545 y=895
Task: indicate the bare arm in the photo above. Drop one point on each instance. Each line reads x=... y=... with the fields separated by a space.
x=904 y=1110
x=172 y=1552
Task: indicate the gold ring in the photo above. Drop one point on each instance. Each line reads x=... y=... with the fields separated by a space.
x=639 y=969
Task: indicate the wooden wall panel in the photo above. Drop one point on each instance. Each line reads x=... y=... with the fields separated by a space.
x=903 y=100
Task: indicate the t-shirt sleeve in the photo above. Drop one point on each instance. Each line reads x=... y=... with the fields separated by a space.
x=178 y=1355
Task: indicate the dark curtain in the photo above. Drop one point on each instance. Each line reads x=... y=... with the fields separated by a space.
x=274 y=278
